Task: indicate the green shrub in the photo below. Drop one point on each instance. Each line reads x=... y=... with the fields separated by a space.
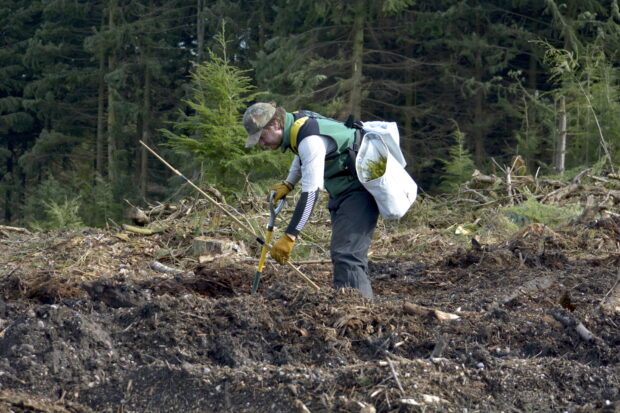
x=60 y=216
x=531 y=211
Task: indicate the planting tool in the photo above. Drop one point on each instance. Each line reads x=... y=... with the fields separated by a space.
x=263 y=254
x=234 y=218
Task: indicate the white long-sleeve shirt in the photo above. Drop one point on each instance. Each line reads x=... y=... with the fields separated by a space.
x=308 y=166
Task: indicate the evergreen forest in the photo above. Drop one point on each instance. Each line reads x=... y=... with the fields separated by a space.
x=471 y=84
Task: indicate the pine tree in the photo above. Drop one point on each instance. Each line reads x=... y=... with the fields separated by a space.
x=18 y=123
x=459 y=166
x=211 y=130
x=317 y=59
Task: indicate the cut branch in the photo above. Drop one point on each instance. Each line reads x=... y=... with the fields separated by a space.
x=143 y=231
x=14 y=229
x=159 y=267
x=416 y=309
x=570 y=322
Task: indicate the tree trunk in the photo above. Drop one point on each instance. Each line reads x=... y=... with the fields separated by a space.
x=146 y=131
x=532 y=71
x=410 y=100
x=99 y=147
x=357 y=60
x=200 y=30
x=112 y=120
x=478 y=131
x=561 y=145
x=11 y=185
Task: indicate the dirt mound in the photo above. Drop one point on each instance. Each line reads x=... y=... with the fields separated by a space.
x=514 y=326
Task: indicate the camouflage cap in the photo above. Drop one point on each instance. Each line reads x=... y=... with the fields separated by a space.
x=255 y=118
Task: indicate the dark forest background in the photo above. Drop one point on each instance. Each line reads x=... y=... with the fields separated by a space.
x=471 y=84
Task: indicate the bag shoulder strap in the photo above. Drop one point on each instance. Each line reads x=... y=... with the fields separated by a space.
x=295 y=131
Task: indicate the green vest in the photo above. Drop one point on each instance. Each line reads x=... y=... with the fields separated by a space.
x=337 y=174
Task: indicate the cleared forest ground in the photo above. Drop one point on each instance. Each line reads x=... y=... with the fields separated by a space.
x=527 y=323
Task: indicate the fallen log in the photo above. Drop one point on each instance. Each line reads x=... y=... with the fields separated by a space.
x=142 y=231
x=14 y=229
x=208 y=246
x=479 y=180
x=537 y=284
x=569 y=322
x=415 y=309
x=558 y=194
x=159 y=267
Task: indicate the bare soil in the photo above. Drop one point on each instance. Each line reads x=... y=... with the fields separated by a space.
x=87 y=326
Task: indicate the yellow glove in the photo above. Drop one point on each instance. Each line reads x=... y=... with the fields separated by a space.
x=282 y=248
x=281 y=189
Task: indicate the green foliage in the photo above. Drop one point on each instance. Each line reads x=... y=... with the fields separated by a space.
x=496 y=225
x=307 y=62
x=374 y=169
x=531 y=211
x=213 y=130
x=459 y=167
x=98 y=204
x=51 y=150
x=47 y=192
x=73 y=79
x=53 y=206
x=291 y=78
x=589 y=81
x=60 y=216
x=54 y=203
x=396 y=6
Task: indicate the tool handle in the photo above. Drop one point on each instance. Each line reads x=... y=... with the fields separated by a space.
x=263 y=253
x=224 y=210
x=275 y=211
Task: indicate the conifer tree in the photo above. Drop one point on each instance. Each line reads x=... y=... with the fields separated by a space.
x=316 y=58
x=18 y=123
x=211 y=130
x=459 y=166
x=63 y=86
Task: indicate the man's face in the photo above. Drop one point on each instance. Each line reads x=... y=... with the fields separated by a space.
x=271 y=136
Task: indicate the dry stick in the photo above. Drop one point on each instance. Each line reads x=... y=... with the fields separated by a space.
x=566 y=320
x=415 y=309
x=612 y=288
x=224 y=210
x=509 y=185
x=395 y=375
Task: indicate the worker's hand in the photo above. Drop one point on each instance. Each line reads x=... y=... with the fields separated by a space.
x=281 y=189
x=282 y=248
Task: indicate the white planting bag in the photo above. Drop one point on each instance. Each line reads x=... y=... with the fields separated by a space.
x=395 y=190
x=391 y=137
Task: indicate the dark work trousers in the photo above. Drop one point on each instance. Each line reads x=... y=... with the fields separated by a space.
x=354 y=218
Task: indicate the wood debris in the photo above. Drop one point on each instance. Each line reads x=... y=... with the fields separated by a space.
x=415 y=309
x=569 y=322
